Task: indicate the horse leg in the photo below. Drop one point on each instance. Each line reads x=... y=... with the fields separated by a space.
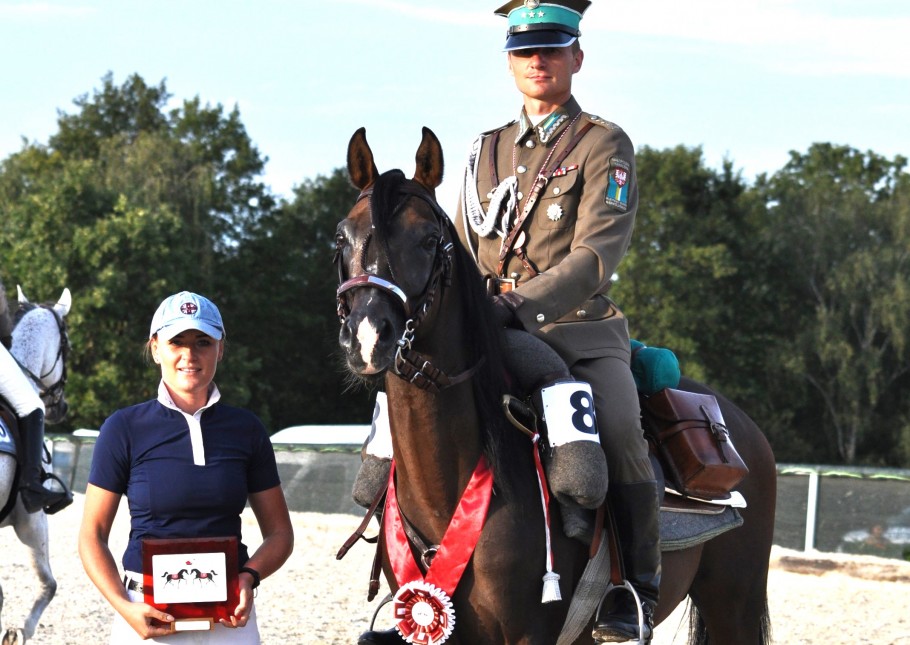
x=731 y=600
x=31 y=529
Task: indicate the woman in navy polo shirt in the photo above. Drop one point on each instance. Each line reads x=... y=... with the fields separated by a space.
x=187 y=464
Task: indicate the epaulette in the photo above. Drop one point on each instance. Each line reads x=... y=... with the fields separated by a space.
x=499 y=129
x=609 y=125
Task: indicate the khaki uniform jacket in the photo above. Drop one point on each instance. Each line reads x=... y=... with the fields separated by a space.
x=576 y=234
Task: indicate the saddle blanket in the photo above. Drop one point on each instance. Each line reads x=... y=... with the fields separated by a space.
x=683 y=529
x=7 y=443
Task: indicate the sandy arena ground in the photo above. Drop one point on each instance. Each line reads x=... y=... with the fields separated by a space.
x=316 y=599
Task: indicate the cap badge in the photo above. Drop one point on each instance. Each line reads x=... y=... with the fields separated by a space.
x=532 y=4
x=554 y=212
x=189 y=308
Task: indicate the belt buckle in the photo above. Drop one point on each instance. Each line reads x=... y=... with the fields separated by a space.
x=504 y=285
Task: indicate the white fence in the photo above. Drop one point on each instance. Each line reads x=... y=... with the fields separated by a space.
x=825 y=508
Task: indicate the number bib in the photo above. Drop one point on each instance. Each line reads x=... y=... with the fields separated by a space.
x=568 y=409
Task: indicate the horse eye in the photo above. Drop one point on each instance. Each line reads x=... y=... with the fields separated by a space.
x=430 y=243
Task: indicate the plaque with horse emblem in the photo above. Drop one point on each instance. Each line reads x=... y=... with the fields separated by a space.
x=194 y=579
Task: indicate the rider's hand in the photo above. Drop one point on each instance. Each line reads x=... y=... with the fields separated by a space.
x=504 y=306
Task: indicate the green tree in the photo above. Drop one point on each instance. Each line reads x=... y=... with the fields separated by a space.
x=126 y=204
x=836 y=237
x=290 y=280
x=684 y=280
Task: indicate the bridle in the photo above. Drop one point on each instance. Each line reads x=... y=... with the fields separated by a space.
x=51 y=395
x=409 y=364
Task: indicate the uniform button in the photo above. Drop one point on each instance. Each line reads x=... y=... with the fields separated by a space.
x=520 y=195
x=582 y=313
x=556 y=191
x=530 y=143
x=490 y=195
x=521 y=170
x=540 y=318
x=515 y=275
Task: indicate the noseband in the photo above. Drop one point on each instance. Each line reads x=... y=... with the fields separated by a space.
x=409 y=364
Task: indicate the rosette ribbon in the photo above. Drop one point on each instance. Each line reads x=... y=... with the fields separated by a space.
x=423 y=604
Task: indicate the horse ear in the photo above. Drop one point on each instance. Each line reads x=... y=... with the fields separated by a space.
x=66 y=301
x=22 y=299
x=361 y=167
x=429 y=161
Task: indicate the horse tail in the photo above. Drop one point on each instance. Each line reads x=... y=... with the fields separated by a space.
x=6 y=320
x=698 y=633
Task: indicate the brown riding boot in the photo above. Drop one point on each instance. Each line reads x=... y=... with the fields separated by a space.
x=35 y=496
x=636 y=508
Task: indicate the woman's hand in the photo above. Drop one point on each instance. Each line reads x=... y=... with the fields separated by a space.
x=241 y=614
x=147 y=621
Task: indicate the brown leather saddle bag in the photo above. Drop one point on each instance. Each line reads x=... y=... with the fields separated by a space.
x=692 y=442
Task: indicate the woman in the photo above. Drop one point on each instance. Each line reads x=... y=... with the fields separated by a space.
x=187 y=464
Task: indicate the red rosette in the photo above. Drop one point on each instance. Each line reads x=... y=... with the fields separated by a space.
x=424 y=613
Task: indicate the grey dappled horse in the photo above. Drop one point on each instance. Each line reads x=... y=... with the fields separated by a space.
x=39 y=346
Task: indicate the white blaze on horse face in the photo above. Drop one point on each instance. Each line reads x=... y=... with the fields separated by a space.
x=368 y=337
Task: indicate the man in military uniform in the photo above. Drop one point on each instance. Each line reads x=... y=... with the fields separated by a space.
x=547 y=211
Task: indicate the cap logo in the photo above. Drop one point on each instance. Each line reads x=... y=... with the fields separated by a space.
x=189 y=308
x=532 y=4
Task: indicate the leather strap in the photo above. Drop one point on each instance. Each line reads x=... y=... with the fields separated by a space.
x=531 y=201
x=358 y=534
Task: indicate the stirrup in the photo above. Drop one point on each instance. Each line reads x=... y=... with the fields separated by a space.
x=52 y=501
x=608 y=636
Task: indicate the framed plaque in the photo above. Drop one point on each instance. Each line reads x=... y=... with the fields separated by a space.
x=194 y=579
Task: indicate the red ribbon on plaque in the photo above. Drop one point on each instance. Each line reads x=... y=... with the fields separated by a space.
x=423 y=604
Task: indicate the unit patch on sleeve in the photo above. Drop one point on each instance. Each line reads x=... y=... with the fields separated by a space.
x=618 y=187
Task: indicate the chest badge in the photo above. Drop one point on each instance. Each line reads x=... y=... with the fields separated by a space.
x=554 y=212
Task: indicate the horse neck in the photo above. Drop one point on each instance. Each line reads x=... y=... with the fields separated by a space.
x=435 y=436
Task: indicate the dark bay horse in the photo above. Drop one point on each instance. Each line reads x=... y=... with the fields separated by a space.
x=414 y=313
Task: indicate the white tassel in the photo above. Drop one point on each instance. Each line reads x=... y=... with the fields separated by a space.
x=551 y=587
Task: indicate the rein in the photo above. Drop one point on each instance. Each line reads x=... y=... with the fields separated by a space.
x=410 y=364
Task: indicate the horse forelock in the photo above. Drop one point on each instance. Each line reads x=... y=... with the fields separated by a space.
x=384 y=202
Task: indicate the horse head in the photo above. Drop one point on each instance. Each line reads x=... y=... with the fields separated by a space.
x=393 y=253
x=41 y=347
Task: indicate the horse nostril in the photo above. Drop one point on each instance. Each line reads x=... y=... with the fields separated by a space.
x=346 y=335
x=386 y=332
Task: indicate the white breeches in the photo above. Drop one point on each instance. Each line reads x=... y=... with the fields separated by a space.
x=15 y=386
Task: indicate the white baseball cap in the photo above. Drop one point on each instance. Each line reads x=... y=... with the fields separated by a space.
x=186 y=310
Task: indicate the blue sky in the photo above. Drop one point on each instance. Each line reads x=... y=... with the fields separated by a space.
x=747 y=80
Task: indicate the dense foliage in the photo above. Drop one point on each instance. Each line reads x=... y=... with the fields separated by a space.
x=791 y=295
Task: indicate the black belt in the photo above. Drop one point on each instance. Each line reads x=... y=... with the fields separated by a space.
x=133 y=585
